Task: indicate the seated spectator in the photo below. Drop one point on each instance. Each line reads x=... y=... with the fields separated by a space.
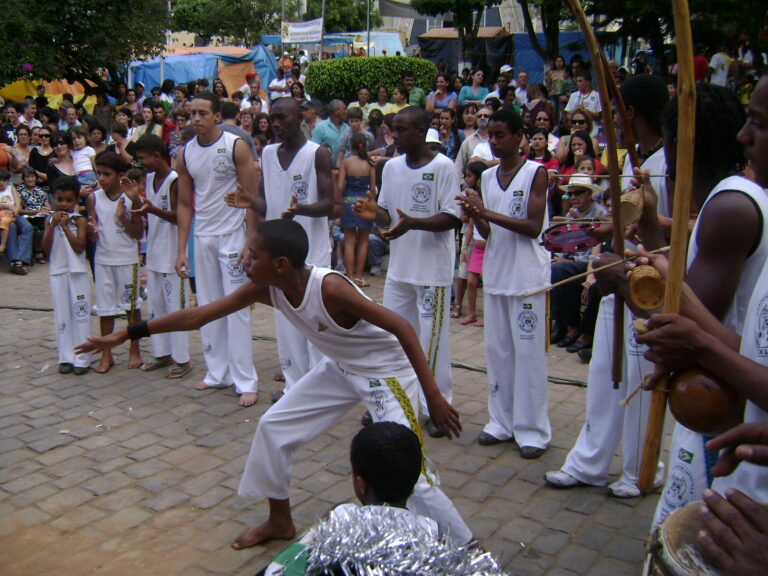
x=15 y=231
x=578 y=120
x=442 y=96
x=580 y=144
x=34 y=207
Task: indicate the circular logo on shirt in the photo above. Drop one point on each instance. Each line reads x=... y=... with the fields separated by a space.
x=427 y=301
x=421 y=193
x=679 y=490
x=527 y=321
x=81 y=309
x=299 y=189
x=234 y=268
x=167 y=287
x=761 y=327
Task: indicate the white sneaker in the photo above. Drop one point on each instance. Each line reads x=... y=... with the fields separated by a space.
x=560 y=479
x=621 y=489
x=375 y=270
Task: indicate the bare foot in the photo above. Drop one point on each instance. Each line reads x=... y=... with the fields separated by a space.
x=135 y=362
x=471 y=319
x=263 y=533
x=249 y=399
x=202 y=386
x=104 y=365
x=479 y=323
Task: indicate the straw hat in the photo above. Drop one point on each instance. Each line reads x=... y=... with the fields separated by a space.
x=579 y=181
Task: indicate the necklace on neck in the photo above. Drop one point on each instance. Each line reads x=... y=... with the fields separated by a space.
x=512 y=170
x=656 y=147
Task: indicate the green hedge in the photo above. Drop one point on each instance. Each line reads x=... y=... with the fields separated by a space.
x=342 y=77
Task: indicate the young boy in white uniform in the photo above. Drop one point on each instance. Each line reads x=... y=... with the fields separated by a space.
x=211 y=164
x=167 y=290
x=372 y=355
x=64 y=240
x=116 y=232
x=418 y=200
x=515 y=198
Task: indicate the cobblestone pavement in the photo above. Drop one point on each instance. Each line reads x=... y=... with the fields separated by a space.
x=129 y=473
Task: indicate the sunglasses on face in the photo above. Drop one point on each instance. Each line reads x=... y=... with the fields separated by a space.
x=43 y=135
x=483 y=116
x=59 y=143
x=542 y=119
x=578 y=122
x=578 y=192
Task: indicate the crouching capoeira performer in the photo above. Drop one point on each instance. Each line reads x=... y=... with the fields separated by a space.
x=372 y=354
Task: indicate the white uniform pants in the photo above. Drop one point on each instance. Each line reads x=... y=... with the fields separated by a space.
x=515 y=356
x=71 y=296
x=427 y=309
x=297 y=355
x=608 y=422
x=314 y=404
x=168 y=293
x=227 y=342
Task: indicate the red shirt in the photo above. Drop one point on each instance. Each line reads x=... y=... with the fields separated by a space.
x=700 y=67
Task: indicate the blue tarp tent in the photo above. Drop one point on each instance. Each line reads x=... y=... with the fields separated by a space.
x=228 y=63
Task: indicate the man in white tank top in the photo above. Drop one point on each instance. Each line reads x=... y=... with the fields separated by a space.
x=511 y=216
x=418 y=200
x=734 y=524
x=372 y=355
x=210 y=165
x=297 y=184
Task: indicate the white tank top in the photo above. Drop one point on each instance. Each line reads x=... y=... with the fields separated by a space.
x=162 y=239
x=514 y=264
x=364 y=349
x=751 y=478
x=300 y=180
x=753 y=265
x=114 y=246
x=63 y=259
x=212 y=168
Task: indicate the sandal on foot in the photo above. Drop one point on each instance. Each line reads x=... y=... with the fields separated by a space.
x=361 y=283
x=17 y=267
x=456 y=312
x=155 y=365
x=468 y=320
x=178 y=371
x=40 y=258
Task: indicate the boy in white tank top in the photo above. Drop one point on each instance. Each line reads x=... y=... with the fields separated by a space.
x=210 y=165
x=511 y=216
x=352 y=331
x=116 y=232
x=167 y=290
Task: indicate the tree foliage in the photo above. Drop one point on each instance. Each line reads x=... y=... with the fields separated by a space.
x=467 y=15
x=344 y=15
x=239 y=21
x=343 y=77
x=78 y=40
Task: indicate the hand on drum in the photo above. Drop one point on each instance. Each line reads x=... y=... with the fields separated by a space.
x=744 y=443
x=736 y=535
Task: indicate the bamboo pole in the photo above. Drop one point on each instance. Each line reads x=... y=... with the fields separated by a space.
x=686 y=133
x=609 y=131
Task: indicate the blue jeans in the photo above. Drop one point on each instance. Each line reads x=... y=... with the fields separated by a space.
x=20 y=234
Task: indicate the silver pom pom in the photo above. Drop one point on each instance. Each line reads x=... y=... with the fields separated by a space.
x=383 y=541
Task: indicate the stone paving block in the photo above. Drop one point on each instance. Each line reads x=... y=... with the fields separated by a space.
x=148 y=453
x=125 y=519
x=77 y=518
x=50 y=440
x=162 y=480
x=541 y=510
x=215 y=440
x=550 y=542
x=33 y=495
x=200 y=483
x=200 y=464
x=215 y=496
x=61 y=501
x=529 y=562
x=95 y=442
x=183 y=455
x=177 y=441
x=519 y=529
x=9 y=443
x=108 y=483
x=75 y=478
x=612 y=567
x=12 y=420
x=496 y=475
x=577 y=558
x=595 y=536
x=585 y=501
x=25 y=482
x=453 y=479
x=120 y=499
x=23 y=518
x=165 y=499
x=468 y=463
x=60 y=454
x=613 y=513
x=140 y=441
x=627 y=549
x=14 y=457
x=146 y=468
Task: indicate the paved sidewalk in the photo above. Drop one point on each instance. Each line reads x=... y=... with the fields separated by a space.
x=129 y=473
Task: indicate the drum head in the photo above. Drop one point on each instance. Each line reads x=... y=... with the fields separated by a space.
x=680 y=549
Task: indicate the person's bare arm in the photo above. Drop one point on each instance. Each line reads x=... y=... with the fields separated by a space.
x=339 y=296
x=437 y=223
x=146 y=207
x=77 y=240
x=183 y=213
x=249 y=181
x=187 y=319
x=132 y=222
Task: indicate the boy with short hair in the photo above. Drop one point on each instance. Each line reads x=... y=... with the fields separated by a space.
x=371 y=354
x=355 y=121
x=167 y=290
x=64 y=240
x=116 y=232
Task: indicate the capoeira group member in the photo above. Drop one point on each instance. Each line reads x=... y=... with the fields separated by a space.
x=297 y=184
x=511 y=216
x=64 y=241
x=211 y=164
x=167 y=290
x=418 y=200
x=607 y=422
x=372 y=355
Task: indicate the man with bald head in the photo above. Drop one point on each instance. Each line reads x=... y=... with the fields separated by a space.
x=329 y=130
x=417 y=201
x=297 y=184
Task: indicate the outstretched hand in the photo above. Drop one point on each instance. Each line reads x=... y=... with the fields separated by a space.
x=470 y=202
x=238 y=198
x=744 y=443
x=403 y=224
x=145 y=208
x=366 y=207
x=103 y=343
x=444 y=416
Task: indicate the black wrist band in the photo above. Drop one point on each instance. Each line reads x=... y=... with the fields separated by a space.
x=138 y=330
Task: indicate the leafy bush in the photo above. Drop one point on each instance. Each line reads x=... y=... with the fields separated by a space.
x=343 y=77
